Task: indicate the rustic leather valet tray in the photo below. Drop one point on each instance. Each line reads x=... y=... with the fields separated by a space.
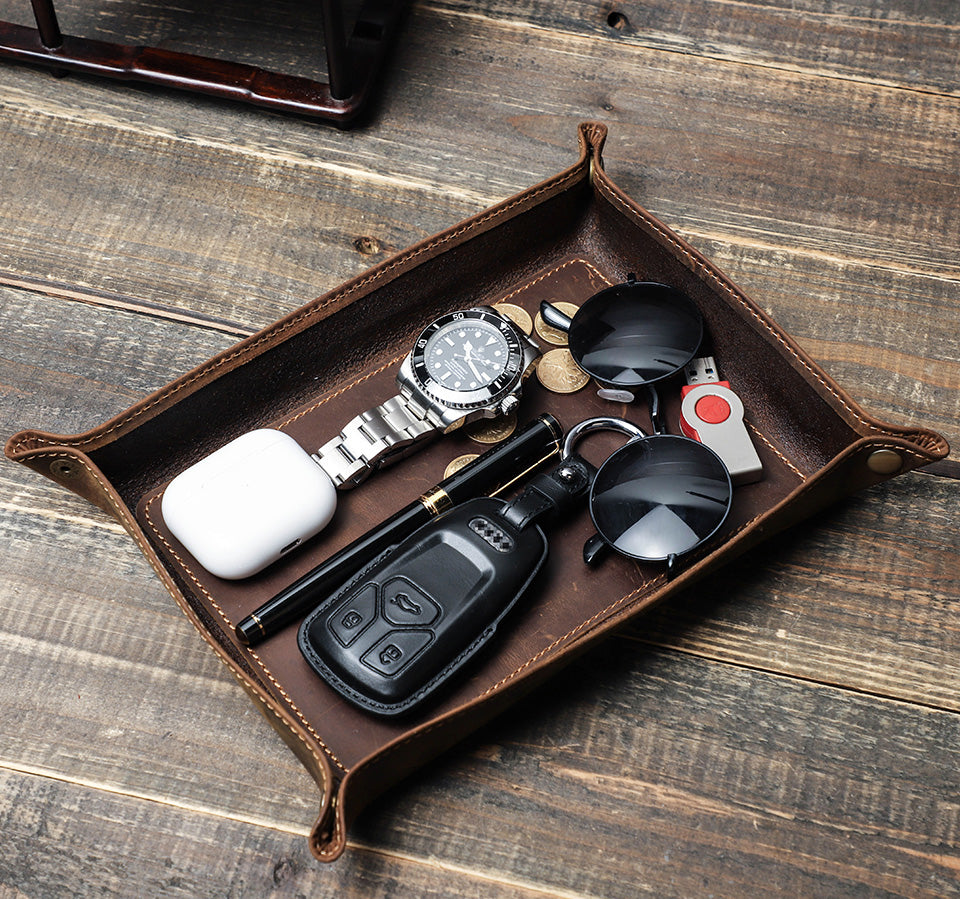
x=311 y=372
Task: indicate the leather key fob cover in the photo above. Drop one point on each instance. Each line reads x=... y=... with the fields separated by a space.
x=398 y=630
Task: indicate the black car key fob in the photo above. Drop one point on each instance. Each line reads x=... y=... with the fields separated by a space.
x=399 y=630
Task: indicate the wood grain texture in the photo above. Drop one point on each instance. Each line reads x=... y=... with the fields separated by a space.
x=688 y=777
x=788 y=728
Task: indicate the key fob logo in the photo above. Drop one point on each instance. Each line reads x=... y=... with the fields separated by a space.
x=403 y=602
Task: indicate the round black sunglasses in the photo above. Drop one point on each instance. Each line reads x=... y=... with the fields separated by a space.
x=656 y=498
x=630 y=335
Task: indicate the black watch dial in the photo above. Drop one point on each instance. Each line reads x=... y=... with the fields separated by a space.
x=467 y=359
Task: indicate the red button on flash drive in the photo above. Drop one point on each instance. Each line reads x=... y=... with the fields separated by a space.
x=712 y=409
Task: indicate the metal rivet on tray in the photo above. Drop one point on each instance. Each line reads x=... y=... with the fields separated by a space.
x=884 y=461
x=65 y=468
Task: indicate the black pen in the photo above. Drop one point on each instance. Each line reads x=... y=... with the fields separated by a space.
x=489 y=474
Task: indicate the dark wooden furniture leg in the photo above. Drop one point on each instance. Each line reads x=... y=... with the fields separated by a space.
x=47 y=25
x=353 y=62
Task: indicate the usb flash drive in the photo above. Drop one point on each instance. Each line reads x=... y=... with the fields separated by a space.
x=712 y=414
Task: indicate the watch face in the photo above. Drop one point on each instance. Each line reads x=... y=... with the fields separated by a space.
x=466 y=359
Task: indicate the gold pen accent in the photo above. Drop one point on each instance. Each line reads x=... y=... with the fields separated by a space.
x=554 y=427
x=555 y=451
x=436 y=501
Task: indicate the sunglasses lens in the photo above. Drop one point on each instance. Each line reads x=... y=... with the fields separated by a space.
x=635 y=333
x=660 y=496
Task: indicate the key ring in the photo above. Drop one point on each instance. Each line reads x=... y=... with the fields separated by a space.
x=655 y=498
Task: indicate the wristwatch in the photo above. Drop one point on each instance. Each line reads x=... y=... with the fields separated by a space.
x=465 y=365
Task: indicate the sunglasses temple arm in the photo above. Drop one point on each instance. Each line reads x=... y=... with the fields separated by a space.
x=554 y=317
x=594 y=550
x=656 y=419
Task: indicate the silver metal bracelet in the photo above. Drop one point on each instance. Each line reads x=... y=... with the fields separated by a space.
x=369 y=439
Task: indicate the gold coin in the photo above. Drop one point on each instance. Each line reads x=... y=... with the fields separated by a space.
x=518 y=315
x=458 y=463
x=491 y=430
x=558 y=372
x=551 y=334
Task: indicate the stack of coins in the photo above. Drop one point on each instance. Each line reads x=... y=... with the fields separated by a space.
x=556 y=369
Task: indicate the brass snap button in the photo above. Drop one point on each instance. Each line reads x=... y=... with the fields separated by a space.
x=884 y=461
x=65 y=468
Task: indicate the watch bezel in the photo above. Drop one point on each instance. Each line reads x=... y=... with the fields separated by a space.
x=479 y=397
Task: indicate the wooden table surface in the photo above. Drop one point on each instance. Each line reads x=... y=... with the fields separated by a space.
x=790 y=728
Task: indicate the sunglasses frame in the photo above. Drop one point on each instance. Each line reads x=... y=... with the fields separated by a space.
x=621 y=391
x=597 y=545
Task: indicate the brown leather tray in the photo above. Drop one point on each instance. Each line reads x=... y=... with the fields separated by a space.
x=314 y=370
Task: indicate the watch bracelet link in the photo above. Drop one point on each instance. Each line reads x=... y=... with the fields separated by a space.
x=368 y=440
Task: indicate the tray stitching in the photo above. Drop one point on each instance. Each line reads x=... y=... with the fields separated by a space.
x=707 y=270
x=339 y=392
x=269 y=674
x=293 y=707
x=553 y=271
x=307 y=312
x=661 y=578
x=900 y=449
x=643 y=587
x=775 y=451
x=145 y=551
x=330 y=849
x=658 y=580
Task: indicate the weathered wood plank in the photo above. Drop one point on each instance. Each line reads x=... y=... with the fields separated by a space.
x=898 y=43
x=803 y=165
x=864 y=595
x=64 y=840
x=106 y=683
x=95 y=651
x=637 y=773
x=67 y=366
x=660 y=776
x=891 y=339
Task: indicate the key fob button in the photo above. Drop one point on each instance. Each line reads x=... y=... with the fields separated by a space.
x=352 y=617
x=396 y=650
x=420 y=611
x=407 y=605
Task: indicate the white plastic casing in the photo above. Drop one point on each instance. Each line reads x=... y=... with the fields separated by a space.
x=246 y=504
x=727 y=438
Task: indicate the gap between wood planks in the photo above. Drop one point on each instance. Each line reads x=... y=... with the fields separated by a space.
x=797 y=677
x=677 y=48
x=105 y=299
x=252 y=821
x=49 y=774
x=110 y=300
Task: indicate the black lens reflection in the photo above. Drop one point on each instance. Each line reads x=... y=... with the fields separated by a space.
x=660 y=496
x=635 y=333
